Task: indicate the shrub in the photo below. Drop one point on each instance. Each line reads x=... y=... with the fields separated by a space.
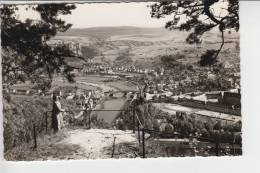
x=19 y=116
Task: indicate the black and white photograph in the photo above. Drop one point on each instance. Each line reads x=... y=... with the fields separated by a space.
x=114 y=80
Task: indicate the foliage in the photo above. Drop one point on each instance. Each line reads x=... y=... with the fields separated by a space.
x=185 y=124
x=190 y=124
x=25 y=44
x=20 y=115
x=41 y=83
x=170 y=61
x=21 y=112
x=208 y=58
x=198 y=17
x=88 y=52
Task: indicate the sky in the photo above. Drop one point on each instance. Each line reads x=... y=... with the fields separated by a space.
x=107 y=14
x=115 y=14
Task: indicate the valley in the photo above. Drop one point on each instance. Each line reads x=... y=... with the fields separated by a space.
x=143 y=47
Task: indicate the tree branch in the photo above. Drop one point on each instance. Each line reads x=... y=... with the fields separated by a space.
x=211 y=16
x=222 y=44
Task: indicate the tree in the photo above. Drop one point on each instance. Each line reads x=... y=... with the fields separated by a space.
x=208 y=58
x=88 y=53
x=27 y=52
x=170 y=61
x=198 y=17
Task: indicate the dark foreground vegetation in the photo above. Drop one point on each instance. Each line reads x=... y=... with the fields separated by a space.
x=21 y=113
x=206 y=132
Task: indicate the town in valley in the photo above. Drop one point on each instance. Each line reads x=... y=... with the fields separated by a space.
x=135 y=92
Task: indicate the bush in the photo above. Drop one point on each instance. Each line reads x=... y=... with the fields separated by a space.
x=185 y=124
x=19 y=116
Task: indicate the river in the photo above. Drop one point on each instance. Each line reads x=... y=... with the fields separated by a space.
x=109 y=103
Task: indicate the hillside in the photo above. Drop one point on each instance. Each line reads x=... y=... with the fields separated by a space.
x=71 y=144
x=144 y=46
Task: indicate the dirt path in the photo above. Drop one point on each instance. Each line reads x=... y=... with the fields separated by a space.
x=98 y=143
x=76 y=144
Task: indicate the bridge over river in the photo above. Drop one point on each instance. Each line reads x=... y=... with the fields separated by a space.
x=116 y=102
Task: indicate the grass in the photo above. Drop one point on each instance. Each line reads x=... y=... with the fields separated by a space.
x=19 y=116
x=48 y=148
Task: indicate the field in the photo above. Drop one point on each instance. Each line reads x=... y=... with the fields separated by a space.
x=144 y=46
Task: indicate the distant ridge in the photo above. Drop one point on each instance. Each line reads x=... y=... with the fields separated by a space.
x=144 y=46
x=107 y=31
x=119 y=27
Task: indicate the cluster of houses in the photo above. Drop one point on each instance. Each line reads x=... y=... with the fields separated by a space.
x=192 y=82
x=96 y=68
x=174 y=86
